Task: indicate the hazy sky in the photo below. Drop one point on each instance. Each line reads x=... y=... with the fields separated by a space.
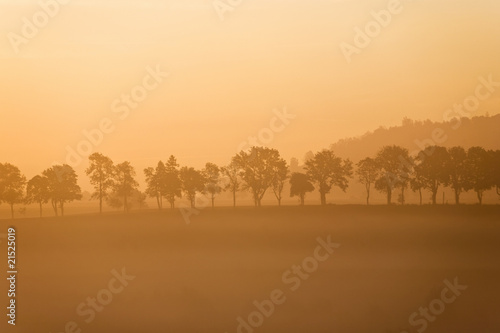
x=227 y=76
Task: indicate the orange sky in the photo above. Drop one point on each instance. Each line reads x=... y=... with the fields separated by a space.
x=226 y=77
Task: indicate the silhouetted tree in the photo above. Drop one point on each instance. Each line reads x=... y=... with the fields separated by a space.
x=496 y=170
x=37 y=191
x=417 y=185
x=478 y=165
x=212 y=174
x=294 y=165
x=193 y=181
x=156 y=179
x=280 y=175
x=394 y=163
x=457 y=170
x=299 y=186
x=173 y=184
x=432 y=169
x=367 y=172
x=125 y=183
x=328 y=170
x=231 y=172
x=308 y=156
x=101 y=174
x=140 y=198
x=257 y=169
x=405 y=178
x=12 y=184
x=136 y=198
x=114 y=200
x=63 y=186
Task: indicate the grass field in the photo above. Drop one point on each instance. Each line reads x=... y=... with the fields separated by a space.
x=203 y=276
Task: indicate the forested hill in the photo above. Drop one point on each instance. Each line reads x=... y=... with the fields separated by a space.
x=478 y=131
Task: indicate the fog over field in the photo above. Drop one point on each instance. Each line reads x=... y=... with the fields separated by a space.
x=386 y=263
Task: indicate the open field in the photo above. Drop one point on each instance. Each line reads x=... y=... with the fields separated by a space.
x=201 y=277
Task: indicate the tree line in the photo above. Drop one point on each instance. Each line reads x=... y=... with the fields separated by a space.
x=259 y=170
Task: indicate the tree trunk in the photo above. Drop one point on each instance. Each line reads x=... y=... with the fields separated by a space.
x=234 y=198
x=402 y=195
x=259 y=199
x=12 y=210
x=323 y=198
x=367 y=196
x=480 y=197
x=62 y=208
x=302 y=199
x=457 y=197
x=125 y=204
x=40 y=209
x=434 y=195
x=54 y=206
x=420 y=193
x=100 y=198
x=279 y=202
x=389 y=196
x=213 y=202
x=158 y=202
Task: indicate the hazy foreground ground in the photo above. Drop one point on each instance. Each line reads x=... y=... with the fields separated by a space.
x=201 y=277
